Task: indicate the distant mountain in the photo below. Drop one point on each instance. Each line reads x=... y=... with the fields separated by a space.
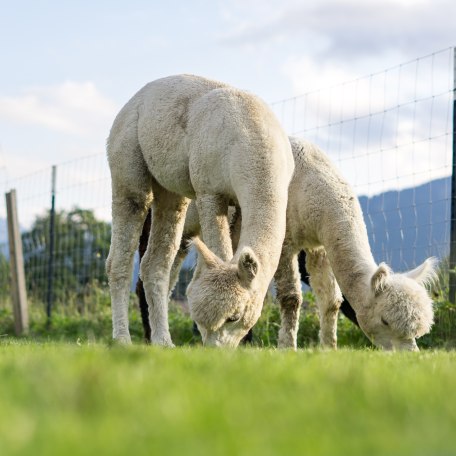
x=404 y=227
x=407 y=226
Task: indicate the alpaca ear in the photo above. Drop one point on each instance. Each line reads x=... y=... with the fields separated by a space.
x=425 y=273
x=247 y=266
x=210 y=259
x=379 y=278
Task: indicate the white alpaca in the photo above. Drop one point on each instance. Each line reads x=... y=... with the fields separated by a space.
x=186 y=137
x=324 y=218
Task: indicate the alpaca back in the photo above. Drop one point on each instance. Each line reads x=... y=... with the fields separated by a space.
x=322 y=207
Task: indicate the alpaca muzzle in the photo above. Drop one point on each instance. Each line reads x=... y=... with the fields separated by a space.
x=408 y=345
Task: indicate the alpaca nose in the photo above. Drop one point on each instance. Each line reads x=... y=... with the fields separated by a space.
x=408 y=345
x=211 y=340
x=221 y=338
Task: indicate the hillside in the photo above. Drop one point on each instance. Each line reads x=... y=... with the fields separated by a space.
x=407 y=226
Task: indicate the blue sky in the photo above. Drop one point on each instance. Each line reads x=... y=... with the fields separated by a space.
x=68 y=66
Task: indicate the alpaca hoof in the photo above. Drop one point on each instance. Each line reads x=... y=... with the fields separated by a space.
x=287 y=342
x=162 y=341
x=123 y=339
x=329 y=346
x=287 y=346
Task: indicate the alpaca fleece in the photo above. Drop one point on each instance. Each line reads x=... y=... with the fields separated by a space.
x=186 y=137
x=324 y=218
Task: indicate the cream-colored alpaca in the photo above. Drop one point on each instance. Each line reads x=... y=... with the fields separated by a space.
x=186 y=137
x=324 y=218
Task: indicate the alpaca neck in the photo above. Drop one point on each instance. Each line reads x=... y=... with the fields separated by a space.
x=352 y=262
x=265 y=237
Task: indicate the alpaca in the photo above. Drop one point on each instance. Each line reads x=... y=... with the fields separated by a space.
x=324 y=218
x=345 y=307
x=186 y=137
x=191 y=229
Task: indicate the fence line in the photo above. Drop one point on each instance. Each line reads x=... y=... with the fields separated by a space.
x=390 y=133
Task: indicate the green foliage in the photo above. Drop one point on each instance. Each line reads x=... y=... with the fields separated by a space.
x=83 y=400
x=4 y=278
x=81 y=247
x=92 y=322
x=267 y=329
x=181 y=326
x=82 y=303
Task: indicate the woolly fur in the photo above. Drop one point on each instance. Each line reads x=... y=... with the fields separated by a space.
x=324 y=218
x=186 y=137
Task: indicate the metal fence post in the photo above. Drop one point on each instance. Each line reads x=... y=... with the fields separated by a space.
x=452 y=265
x=51 y=245
x=18 y=291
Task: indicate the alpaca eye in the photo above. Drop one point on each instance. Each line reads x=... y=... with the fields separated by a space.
x=385 y=322
x=233 y=318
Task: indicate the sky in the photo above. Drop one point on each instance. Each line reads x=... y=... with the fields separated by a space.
x=67 y=66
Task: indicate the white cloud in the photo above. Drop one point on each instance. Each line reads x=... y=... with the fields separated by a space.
x=76 y=108
x=349 y=28
x=387 y=130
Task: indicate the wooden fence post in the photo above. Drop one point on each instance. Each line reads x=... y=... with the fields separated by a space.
x=18 y=292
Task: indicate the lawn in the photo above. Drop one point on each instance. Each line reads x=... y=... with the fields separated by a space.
x=92 y=399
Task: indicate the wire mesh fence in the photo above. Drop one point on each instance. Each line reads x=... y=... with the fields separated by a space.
x=82 y=229
x=390 y=133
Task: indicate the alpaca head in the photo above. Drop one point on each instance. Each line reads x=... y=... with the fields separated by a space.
x=399 y=308
x=223 y=297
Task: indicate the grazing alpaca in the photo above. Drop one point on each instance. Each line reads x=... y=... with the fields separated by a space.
x=324 y=218
x=345 y=307
x=191 y=228
x=186 y=137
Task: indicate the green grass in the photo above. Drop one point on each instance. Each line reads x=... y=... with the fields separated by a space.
x=92 y=323
x=65 y=390
x=65 y=399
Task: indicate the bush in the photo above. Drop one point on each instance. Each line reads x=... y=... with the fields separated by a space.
x=90 y=321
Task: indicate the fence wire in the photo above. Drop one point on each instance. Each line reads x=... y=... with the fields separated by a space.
x=390 y=133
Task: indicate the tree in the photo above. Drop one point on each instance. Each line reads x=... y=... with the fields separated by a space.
x=81 y=247
x=4 y=277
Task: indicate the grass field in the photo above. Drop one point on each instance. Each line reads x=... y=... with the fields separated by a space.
x=60 y=398
x=64 y=390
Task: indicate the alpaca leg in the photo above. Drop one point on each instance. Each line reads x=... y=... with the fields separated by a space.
x=212 y=211
x=128 y=214
x=178 y=260
x=140 y=292
x=191 y=228
x=168 y=216
x=289 y=294
x=327 y=293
